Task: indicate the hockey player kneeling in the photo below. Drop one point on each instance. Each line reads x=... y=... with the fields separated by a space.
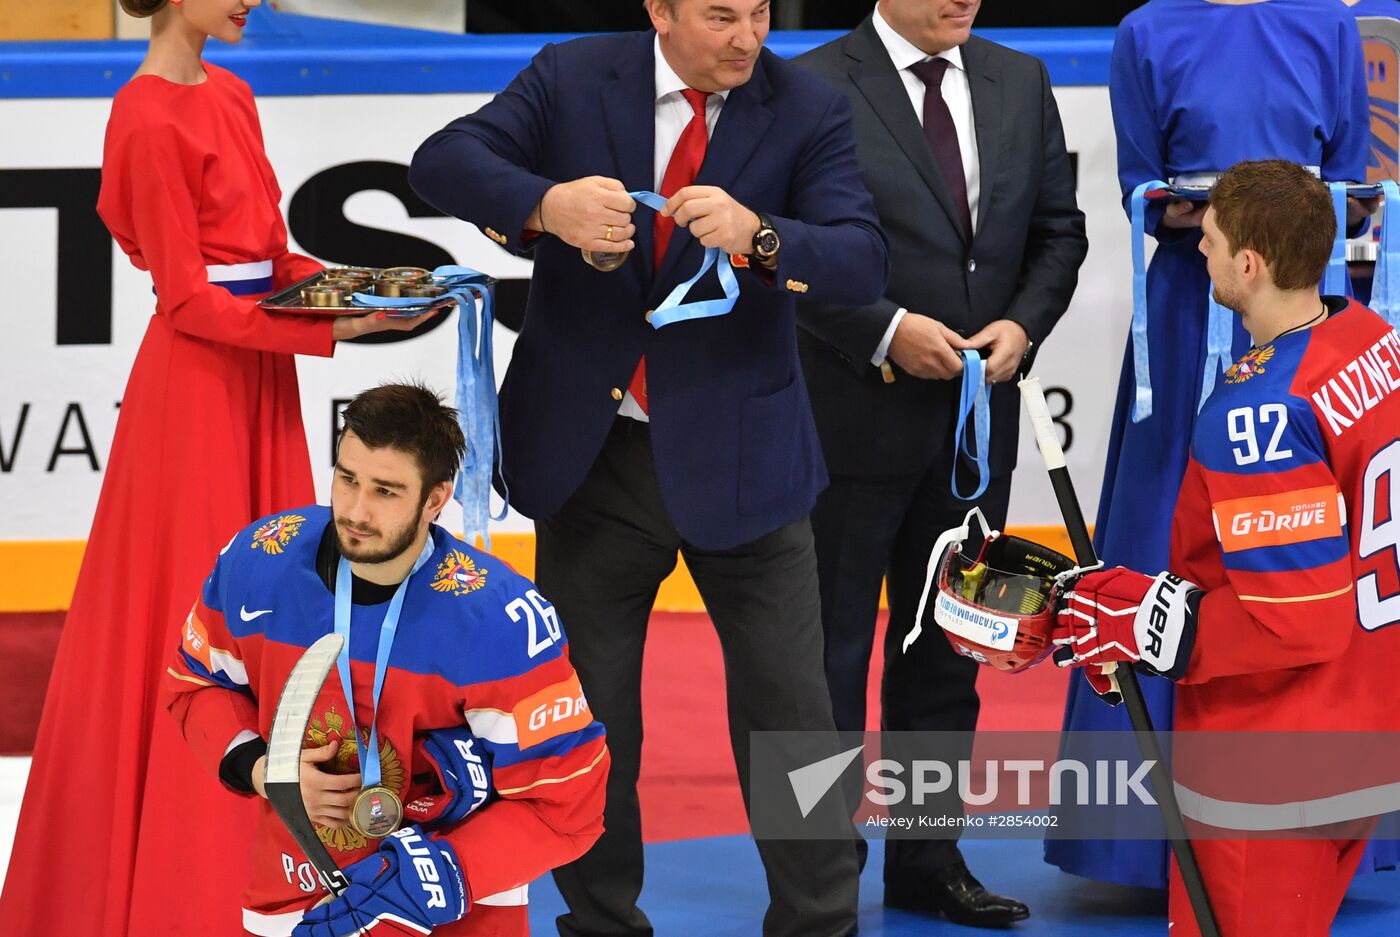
x=451 y=757
x=1285 y=564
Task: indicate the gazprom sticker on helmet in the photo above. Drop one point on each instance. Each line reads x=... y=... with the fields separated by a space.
x=977 y=625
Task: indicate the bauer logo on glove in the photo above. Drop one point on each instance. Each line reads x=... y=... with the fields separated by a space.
x=413 y=881
x=996 y=595
x=459 y=782
x=1120 y=616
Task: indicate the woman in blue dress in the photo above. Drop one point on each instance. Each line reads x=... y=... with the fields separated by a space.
x=1197 y=86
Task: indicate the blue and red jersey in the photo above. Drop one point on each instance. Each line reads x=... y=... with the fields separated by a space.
x=1289 y=517
x=477 y=645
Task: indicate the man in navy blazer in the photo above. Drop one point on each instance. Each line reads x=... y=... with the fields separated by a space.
x=708 y=448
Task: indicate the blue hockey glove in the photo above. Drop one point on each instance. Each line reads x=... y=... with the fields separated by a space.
x=463 y=769
x=412 y=880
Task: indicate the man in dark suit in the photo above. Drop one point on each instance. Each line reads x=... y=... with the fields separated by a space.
x=961 y=145
x=628 y=444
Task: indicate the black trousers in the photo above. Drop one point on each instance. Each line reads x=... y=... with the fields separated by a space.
x=600 y=561
x=866 y=529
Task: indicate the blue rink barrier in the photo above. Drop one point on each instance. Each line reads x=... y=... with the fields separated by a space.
x=287 y=54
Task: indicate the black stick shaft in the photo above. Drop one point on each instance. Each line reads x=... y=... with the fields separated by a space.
x=1049 y=444
x=286 y=800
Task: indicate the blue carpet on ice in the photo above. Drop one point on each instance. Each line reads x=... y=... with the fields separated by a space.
x=715 y=888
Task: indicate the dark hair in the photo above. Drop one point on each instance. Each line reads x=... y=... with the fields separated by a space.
x=1281 y=211
x=142 y=8
x=412 y=419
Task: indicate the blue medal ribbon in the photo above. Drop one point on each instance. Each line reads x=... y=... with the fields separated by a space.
x=673 y=308
x=369 y=766
x=1220 y=334
x=1142 y=399
x=974 y=401
x=478 y=410
x=1385 y=284
x=1334 y=281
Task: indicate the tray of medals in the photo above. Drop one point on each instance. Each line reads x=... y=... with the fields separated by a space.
x=333 y=292
x=1201 y=193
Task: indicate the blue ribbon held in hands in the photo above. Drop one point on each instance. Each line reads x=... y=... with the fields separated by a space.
x=672 y=308
x=974 y=401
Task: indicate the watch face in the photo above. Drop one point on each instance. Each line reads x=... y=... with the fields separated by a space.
x=766 y=242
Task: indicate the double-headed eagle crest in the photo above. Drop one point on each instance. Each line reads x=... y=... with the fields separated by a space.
x=273 y=536
x=1251 y=364
x=457 y=574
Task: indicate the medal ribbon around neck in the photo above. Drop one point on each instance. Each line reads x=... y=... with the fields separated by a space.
x=370 y=767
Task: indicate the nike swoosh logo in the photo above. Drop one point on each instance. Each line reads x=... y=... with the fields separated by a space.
x=246 y=615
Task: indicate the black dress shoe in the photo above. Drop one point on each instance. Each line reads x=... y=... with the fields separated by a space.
x=953 y=892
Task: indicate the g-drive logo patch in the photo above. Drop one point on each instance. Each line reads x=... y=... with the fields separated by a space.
x=984 y=628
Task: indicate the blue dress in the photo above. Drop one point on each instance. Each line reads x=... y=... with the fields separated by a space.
x=1197 y=87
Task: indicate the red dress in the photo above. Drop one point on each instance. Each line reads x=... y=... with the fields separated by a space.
x=122 y=832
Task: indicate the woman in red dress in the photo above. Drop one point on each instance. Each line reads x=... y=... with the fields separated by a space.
x=121 y=833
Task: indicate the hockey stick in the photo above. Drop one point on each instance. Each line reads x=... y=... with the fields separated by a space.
x=1048 y=442
x=283 y=780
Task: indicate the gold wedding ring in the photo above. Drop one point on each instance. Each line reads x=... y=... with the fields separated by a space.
x=607 y=235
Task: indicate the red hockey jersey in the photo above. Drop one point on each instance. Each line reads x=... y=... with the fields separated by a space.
x=477 y=644
x=1289 y=518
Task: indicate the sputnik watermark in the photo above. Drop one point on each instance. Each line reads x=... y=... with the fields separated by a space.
x=891 y=783
x=1070 y=785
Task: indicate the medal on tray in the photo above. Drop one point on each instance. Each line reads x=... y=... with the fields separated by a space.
x=377 y=810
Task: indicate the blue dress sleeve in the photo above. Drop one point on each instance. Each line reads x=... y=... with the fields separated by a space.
x=1136 y=123
x=1344 y=153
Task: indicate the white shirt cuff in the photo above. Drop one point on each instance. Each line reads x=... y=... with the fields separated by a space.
x=883 y=349
x=632 y=409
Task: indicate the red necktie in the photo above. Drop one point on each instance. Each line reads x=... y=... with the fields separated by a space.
x=680 y=172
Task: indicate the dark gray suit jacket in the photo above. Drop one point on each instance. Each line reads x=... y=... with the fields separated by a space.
x=1022 y=264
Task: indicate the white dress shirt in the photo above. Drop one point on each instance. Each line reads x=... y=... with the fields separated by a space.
x=673 y=113
x=958 y=96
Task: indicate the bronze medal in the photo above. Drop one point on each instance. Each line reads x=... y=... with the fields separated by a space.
x=604 y=262
x=377 y=812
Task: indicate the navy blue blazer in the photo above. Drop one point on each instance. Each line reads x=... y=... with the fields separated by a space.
x=731 y=426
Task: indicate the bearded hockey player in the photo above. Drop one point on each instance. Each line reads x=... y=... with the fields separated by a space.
x=460 y=762
x=1277 y=613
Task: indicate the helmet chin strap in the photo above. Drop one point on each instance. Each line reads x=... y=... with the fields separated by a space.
x=1070 y=575
x=948 y=539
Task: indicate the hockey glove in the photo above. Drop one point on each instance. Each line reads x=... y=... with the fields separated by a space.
x=462 y=769
x=1119 y=616
x=412 y=881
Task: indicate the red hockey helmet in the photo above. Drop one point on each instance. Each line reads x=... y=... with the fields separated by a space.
x=995 y=597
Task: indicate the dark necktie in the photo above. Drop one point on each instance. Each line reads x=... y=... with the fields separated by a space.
x=680 y=172
x=942 y=136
